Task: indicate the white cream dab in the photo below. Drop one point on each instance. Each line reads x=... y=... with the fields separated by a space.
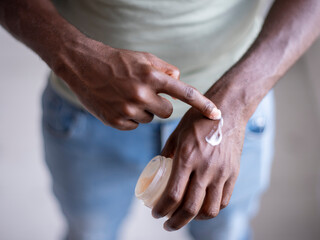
x=215 y=136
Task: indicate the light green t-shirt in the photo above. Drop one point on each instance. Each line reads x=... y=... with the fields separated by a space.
x=203 y=38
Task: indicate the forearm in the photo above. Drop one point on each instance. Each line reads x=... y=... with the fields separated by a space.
x=289 y=29
x=37 y=24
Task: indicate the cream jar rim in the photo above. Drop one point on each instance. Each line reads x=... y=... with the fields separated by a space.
x=160 y=172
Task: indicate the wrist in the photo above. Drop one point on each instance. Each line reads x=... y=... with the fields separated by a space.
x=230 y=100
x=74 y=53
x=63 y=48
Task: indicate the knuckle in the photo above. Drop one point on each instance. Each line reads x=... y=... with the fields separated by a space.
x=176 y=72
x=140 y=94
x=151 y=74
x=145 y=69
x=222 y=172
x=117 y=123
x=206 y=165
x=186 y=150
x=190 y=210
x=147 y=74
x=173 y=197
x=199 y=182
x=113 y=122
x=189 y=93
x=128 y=110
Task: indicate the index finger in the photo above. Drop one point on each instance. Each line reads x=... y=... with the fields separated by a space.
x=188 y=94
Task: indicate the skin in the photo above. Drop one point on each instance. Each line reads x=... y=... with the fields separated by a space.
x=120 y=87
x=203 y=176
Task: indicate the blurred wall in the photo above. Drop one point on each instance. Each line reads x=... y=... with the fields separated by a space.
x=290 y=209
x=312 y=58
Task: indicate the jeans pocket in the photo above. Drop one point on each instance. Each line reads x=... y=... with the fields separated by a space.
x=60 y=117
x=259 y=122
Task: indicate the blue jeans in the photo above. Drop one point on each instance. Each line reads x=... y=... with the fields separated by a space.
x=95 y=167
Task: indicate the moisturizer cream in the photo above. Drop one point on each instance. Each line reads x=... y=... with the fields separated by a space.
x=215 y=136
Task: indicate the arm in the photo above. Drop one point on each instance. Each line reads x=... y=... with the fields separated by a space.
x=289 y=30
x=203 y=176
x=120 y=87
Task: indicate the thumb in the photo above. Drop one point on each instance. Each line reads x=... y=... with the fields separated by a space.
x=166 y=68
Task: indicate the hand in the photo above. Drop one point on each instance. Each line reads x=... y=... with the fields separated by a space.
x=203 y=176
x=120 y=87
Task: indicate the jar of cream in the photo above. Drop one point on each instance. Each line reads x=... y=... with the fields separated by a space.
x=153 y=180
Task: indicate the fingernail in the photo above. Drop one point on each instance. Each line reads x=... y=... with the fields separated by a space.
x=200 y=217
x=215 y=114
x=167 y=228
x=156 y=215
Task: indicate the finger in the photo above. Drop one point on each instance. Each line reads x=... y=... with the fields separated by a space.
x=169 y=147
x=174 y=191
x=165 y=67
x=227 y=192
x=211 y=204
x=190 y=206
x=187 y=94
x=124 y=124
x=159 y=106
x=143 y=117
x=115 y=120
x=132 y=112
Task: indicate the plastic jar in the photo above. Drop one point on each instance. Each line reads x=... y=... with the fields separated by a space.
x=153 y=180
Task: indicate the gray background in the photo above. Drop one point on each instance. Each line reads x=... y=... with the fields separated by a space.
x=289 y=209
